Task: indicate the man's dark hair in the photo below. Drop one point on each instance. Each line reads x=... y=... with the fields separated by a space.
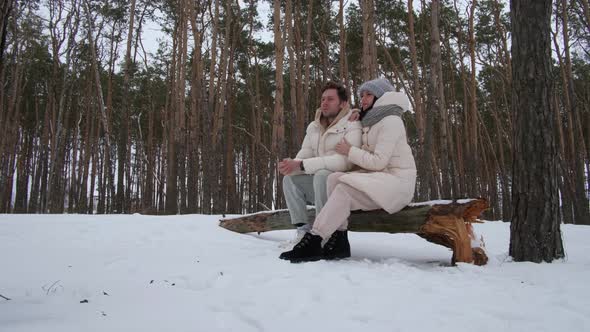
x=342 y=94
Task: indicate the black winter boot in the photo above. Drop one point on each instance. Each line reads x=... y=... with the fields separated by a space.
x=307 y=250
x=337 y=246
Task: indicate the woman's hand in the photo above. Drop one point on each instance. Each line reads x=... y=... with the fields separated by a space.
x=343 y=147
x=355 y=115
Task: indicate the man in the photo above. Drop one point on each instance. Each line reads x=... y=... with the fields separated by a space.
x=306 y=175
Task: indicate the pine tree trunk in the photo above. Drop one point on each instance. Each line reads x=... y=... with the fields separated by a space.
x=36 y=163
x=436 y=102
x=256 y=174
x=297 y=137
x=73 y=192
x=43 y=164
x=463 y=141
x=106 y=172
x=416 y=93
x=278 y=124
x=151 y=174
x=5 y=13
x=567 y=162
x=86 y=153
x=231 y=193
x=23 y=173
x=195 y=114
x=534 y=233
x=171 y=160
x=581 y=203
x=209 y=172
x=427 y=176
x=342 y=63
x=307 y=47
x=303 y=108
x=121 y=203
x=564 y=178
x=181 y=133
x=369 y=70
x=9 y=143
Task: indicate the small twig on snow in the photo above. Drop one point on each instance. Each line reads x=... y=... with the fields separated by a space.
x=51 y=287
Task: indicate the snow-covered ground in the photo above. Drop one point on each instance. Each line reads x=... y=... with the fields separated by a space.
x=184 y=273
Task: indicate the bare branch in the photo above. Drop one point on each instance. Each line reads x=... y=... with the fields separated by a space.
x=249 y=134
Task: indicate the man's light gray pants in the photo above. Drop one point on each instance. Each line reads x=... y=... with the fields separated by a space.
x=300 y=190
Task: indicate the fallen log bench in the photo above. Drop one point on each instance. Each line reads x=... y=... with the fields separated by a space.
x=447 y=223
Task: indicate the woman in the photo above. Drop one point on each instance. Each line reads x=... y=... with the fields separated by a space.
x=385 y=179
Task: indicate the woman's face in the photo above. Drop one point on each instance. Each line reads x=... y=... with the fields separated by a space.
x=367 y=100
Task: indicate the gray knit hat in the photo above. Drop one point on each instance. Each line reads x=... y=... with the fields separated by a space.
x=376 y=87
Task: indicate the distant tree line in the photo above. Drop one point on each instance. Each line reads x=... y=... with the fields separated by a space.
x=93 y=123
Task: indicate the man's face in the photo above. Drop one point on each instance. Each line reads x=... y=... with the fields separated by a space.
x=367 y=99
x=331 y=104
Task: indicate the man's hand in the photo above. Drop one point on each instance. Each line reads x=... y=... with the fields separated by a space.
x=343 y=147
x=288 y=166
x=355 y=115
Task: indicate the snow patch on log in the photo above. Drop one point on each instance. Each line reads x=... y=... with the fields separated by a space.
x=442 y=202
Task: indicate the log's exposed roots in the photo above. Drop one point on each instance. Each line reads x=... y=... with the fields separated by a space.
x=448 y=225
x=479 y=256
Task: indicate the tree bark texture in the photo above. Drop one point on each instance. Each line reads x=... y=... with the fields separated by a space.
x=534 y=233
